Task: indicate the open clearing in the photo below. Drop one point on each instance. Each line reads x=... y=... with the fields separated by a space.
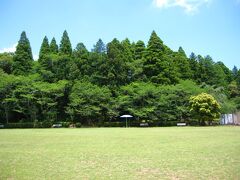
x=121 y=153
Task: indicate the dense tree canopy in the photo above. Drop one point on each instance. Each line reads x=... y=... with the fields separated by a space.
x=151 y=82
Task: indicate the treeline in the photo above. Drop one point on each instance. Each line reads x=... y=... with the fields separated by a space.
x=151 y=82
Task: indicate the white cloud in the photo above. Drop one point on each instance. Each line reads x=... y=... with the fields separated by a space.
x=189 y=6
x=9 y=49
x=13 y=49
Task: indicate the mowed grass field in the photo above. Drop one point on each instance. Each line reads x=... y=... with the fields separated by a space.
x=121 y=153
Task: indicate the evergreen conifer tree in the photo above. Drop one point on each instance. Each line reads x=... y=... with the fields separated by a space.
x=182 y=64
x=53 y=47
x=99 y=47
x=235 y=72
x=194 y=66
x=22 y=60
x=65 y=45
x=139 y=50
x=44 y=50
x=127 y=50
x=158 y=67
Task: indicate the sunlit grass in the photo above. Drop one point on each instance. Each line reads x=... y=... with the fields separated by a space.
x=121 y=153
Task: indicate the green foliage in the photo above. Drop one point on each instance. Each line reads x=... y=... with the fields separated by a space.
x=158 y=66
x=19 y=125
x=114 y=124
x=205 y=108
x=159 y=103
x=45 y=49
x=114 y=71
x=99 y=47
x=226 y=70
x=153 y=83
x=194 y=66
x=139 y=50
x=65 y=45
x=233 y=89
x=78 y=125
x=211 y=73
x=88 y=103
x=235 y=72
x=22 y=60
x=53 y=47
x=182 y=64
x=238 y=78
x=6 y=62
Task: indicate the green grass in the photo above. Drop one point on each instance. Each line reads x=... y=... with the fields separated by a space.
x=120 y=153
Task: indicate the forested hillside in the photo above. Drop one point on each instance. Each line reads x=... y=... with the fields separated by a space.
x=149 y=81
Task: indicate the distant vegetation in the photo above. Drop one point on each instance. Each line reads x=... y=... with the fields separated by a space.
x=151 y=82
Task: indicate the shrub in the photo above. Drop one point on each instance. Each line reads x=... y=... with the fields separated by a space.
x=19 y=125
x=78 y=125
x=65 y=124
x=114 y=124
x=46 y=124
x=37 y=124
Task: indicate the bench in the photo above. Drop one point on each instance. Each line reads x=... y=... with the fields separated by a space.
x=143 y=124
x=181 y=124
x=56 y=125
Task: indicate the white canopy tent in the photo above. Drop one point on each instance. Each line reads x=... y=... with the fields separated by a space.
x=126 y=116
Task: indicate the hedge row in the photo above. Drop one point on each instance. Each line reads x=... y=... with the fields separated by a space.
x=44 y=124
x=47 y=124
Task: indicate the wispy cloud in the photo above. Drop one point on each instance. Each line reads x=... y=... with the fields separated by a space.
x=9 y=49
x=189 y=6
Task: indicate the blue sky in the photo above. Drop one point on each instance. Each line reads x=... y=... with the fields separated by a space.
x=200 y=26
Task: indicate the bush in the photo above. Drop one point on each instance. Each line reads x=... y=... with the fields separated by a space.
x=114 y=124
x=19 y=125
x=46 y=124
x=65 y=124
x=78 y=125
x=37 y=124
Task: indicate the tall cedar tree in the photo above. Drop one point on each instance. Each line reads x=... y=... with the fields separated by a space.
x=238 y=79
x=22 y=60
x=235 y=72
x=127 y=50
x=139 y=50
x=154 y=51
x=182 y=64
x=53 y=46
x=194 y=65
x=158 y=66
x=44 y=50
x=114 y=71
x=65 y=45
x=100 y=47
x=81 y=56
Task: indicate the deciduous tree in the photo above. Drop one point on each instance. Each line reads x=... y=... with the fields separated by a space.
x=205 y=108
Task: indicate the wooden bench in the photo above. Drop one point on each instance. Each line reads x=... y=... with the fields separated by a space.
x=56 y=125
x=181 y=124
x=143 y=124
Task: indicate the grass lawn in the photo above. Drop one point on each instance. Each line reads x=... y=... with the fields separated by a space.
x=121 y=153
